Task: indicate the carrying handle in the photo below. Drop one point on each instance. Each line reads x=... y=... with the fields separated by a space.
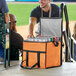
x=56 y=43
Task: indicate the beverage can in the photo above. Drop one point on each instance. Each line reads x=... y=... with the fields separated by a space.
x=51 y=39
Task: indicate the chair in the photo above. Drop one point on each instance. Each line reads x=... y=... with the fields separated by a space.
x=69 y=44
x=4 y=38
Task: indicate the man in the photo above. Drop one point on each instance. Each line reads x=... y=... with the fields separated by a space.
x=13 y=22
x=43 y=9
x=3 y=9
x=16 y=40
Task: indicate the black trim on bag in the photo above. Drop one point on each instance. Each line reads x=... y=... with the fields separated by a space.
x=38 y=62
x=38 y=59
x=26 y=58
x=34 y=51
x=45 y=54
x=27 y=67
x=53 y=67
x=22 y=55
x=55 y=43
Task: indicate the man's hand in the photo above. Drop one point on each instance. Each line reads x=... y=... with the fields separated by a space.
x=30 y=36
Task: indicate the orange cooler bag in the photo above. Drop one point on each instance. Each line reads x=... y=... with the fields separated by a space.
x=41 y=54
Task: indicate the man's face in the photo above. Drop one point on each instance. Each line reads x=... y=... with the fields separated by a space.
x=44 y=3
x=13 y=22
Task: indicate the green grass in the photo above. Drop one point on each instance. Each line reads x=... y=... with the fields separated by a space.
x=72 y=11
x=22 y=12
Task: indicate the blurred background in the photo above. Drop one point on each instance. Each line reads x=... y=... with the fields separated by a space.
x=51 y=0
x=22 y=9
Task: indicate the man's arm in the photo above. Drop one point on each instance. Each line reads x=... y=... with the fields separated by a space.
x=5 y=10
x=7 y=19
x=32 y=22
x=15 y=29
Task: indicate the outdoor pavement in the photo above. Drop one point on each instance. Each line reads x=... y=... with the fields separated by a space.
x=67 y=69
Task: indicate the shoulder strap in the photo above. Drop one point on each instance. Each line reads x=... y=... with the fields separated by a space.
x=49 y=13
